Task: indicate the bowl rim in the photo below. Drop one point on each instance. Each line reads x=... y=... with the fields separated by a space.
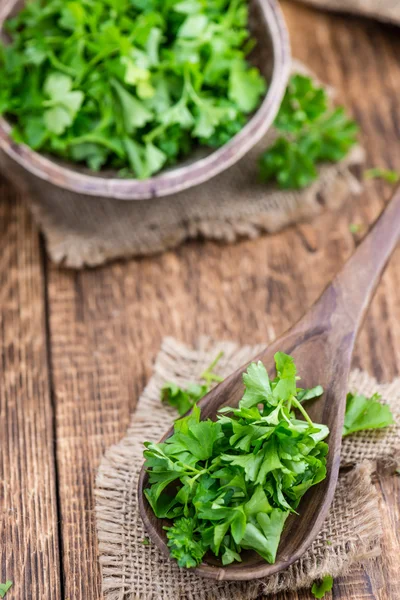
x=180 y=178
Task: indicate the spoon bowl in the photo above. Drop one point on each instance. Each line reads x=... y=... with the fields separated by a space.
x=321 y=344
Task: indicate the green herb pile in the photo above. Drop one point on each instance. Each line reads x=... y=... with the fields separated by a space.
x=230 y=485
x=128 y=84
x=311 y=133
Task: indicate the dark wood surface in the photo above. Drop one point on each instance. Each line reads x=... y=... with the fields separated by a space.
x=77 y=348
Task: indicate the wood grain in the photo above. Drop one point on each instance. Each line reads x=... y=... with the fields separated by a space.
x=29 y=554
x=106 y=327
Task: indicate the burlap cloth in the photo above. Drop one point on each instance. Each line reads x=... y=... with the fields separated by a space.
x=384 y=10
x=134 y=571
x=84 y=231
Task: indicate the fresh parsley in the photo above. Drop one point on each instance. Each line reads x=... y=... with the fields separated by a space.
x=385 y=174
x=355 y=227
x=230 y=485
x=319 y=589
x=365 y=413
x=4 y=587
x=130 y=85
x=311 y=133
x=146 y=542
x=184 y=398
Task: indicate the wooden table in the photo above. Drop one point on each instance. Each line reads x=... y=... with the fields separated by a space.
x=77 y=347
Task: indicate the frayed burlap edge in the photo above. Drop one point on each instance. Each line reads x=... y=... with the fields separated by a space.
x=92 y=232
x=132 y=571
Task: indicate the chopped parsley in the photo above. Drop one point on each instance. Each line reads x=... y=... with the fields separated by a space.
x=4 y=587
x=355 y=227
x=310 y=133
x=230 y=485
x=319 y=589
x=131 y=85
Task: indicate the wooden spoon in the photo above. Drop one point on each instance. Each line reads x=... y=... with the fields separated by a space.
x=322 y=346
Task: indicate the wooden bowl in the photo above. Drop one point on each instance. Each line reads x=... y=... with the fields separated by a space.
x=46 y=174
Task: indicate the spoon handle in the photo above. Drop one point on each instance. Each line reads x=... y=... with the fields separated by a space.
x=344 y=303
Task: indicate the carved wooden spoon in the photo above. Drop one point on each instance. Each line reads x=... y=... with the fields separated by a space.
x=322 y=345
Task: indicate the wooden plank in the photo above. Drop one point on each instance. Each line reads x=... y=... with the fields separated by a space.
x=29 y=553
x=106 y=325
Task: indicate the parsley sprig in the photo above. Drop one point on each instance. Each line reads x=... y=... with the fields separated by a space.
x=230 y=485
x=183 y=399
x=364 y=413
x=131 y=85
x=311 y=133
x=320 y=588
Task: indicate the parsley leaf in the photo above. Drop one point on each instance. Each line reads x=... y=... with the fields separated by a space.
x=4 y=587
x=257 y=386
x=64 y=104
x=290 y=164
x=245 y=86
x=312 y=133
x=184 y=398
x=303 y=103
x=321 y=588
x=355 y=227
x=134 y=112
x=365 y=413
x=185 y=542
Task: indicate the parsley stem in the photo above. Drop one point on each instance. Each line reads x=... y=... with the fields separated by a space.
x=215 y=361
x=188 y=467
x=154 y=133
x=299 y=406
x=60 y=66
x=97 y=139
x=208 y=374
x=94 y=61
x=199 y=473
x=289 y=408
